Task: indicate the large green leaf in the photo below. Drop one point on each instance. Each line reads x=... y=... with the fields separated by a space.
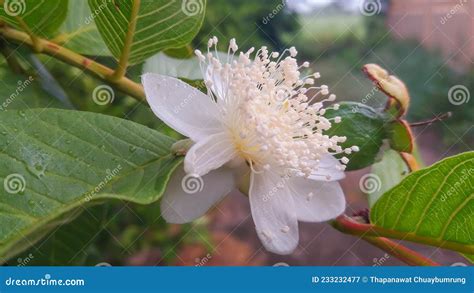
x=384 y=175
x=70 y=244
x=160 y=24
x=79 y=32
x=434 y=205
x=363 y=126
x=53 y=162
x=23 y=92
x=43 y=17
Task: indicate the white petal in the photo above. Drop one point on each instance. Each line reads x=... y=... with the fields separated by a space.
x=187 y=198
x=209 y=153
x=182 y=107
x=328 y=170
x=217 y=83
x=273 y=212
x=317 y=201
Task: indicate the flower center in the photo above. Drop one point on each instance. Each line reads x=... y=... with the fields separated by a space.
x=275 y=117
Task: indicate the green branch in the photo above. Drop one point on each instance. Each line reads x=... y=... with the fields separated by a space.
x=52 y=49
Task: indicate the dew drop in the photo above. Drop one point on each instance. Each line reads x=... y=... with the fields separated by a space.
x=132 y=148
x=285 y=229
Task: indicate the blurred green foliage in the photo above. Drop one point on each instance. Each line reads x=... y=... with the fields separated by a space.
x=252 y=23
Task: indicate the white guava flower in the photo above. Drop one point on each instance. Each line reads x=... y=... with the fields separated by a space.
x=261 y=120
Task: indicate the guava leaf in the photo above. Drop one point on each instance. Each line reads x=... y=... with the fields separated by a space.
x=400 y=136
x=384 y=175
x=23 y=92
x=161 y=24
x=56 y=162
x=434 y=205
x=70 y=244
x=79 y=31
x=43 y=18
x=364 y=127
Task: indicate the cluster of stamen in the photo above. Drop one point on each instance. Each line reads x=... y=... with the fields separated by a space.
x=275 y=116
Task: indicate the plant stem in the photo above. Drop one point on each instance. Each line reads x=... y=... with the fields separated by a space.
x=49 y=48
x=34 y=39
x=401 y=252
x=347 y=225
x=123 y=61
x=433 y=120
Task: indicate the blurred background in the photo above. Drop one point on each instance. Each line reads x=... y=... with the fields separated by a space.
x=427 y=44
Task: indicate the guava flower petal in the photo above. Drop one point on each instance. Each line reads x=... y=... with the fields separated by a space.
x=209 y=153
x=184 y=200
x=329 y=169
x=273 y=212
x=317 y=201
x=181 y=106
x=217 y=86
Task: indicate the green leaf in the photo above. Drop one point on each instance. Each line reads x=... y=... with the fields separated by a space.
x=43 y=18
x=180 y=53
x=54 y=162
x=70 y=244
x=384 y=175
x=23 y=92
x=170 y=66
x=433 y=206
x=400 y=136
x=79 y=32
x=161 y=24
x=364 y=127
